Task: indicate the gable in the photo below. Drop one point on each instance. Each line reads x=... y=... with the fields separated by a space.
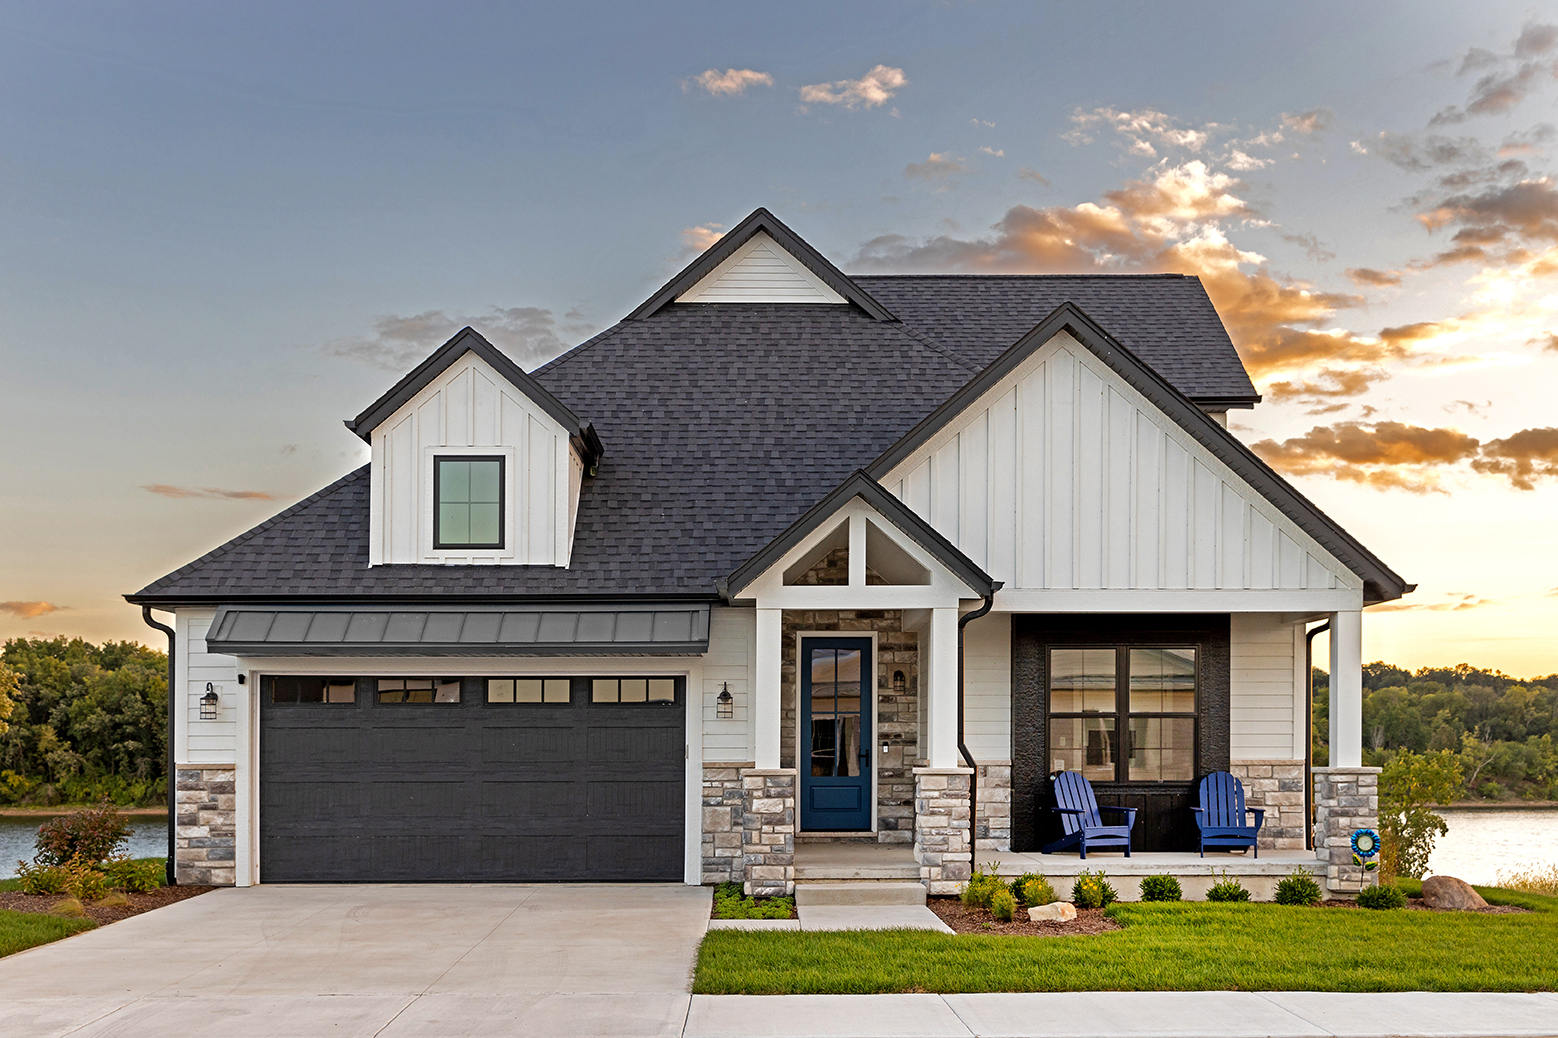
x=761 y=271
x=1061 y=475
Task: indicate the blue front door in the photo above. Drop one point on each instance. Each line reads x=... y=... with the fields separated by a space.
x=835 y=751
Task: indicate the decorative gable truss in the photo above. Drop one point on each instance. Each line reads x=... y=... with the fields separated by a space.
x=1063 y=479
x=469 y=400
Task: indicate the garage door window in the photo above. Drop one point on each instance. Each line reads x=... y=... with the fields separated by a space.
x=528 y=690
x=290 y=688
x=419 y=690
x=633 y=690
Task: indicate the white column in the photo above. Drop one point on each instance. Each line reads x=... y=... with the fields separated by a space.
x=942 y=713
x=765 y=707
x=1347 y=689
x=857 y=551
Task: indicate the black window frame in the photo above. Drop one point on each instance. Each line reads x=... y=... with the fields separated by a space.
x=438 y=541
x=268 y=690
x=516 y=702
x=1122 y=713
x=676 y=690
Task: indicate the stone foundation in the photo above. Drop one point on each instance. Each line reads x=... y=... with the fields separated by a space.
x=941 y=828
x=768 y=831
x=205 y=840
x=1278 y=787
x=993 y=806
x=724 y=806
x=1346 y=799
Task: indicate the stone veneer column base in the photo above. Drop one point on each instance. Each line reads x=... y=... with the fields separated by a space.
x=768 y=831
x=993 y=826
x=1346 y=799
x=942 y=828
x=724 y=805
x=1277 y=786
x=204 y=835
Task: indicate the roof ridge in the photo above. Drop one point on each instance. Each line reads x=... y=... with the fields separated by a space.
x=1010 y=274
x=249 y=534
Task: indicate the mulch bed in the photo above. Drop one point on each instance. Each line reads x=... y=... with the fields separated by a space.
x=964 y=919
x=1415 y=904
x=16 y=901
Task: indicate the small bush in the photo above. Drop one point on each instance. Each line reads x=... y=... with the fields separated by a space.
x=1092 y=891
x=1161 y=888
x=730 y=903
x=69 y=908
x=1002 y=905
x=1383 y=897
x=1298 y=889
x=1227 y=889
x=92 y=835
x=1532 y=880
x=141 y=877
x=41 y=879
x=115 y=899
x=980 y=889
x=1036 y=890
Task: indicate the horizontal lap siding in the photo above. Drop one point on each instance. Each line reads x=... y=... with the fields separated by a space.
x=987 y=691
x=197 y=741
x=1267 y=698
x=730 y=659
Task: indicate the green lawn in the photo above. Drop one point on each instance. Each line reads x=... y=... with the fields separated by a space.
x=1189 y=946
x=21 y=930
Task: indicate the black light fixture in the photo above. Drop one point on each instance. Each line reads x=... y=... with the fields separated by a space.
x=900 y=683
x=208 y=703
x=725 y=703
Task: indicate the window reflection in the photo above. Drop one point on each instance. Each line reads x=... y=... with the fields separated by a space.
x=835 y=711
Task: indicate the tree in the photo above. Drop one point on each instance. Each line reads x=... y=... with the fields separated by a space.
x=1408 y=787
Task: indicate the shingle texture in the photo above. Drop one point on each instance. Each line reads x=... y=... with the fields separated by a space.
x=722 y=425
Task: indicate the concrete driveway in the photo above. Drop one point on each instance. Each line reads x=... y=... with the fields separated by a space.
x=279 y=961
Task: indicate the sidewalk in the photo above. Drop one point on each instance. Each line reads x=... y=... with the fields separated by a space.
x=1125 y=1014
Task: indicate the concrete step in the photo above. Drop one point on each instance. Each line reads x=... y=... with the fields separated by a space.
x=858 y=892
x=843 y=871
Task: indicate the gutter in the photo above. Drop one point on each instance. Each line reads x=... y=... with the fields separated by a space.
x=973 y=780
x=1309 y=734
x=170 y=877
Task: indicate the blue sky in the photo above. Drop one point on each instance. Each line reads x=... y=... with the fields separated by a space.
x=227 y=229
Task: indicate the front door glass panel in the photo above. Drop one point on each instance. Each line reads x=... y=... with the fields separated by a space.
x=835 y=733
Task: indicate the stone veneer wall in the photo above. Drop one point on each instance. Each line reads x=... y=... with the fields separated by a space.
x=1277 y=786
x=1346 y=800
x=993 y=807
x=724 y=805
x=204 y=836
x=941 y=828
x=768 y=831
x=897 y=715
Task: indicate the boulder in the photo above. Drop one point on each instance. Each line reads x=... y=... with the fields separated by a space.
x=1054 y=912
x=1449 y=892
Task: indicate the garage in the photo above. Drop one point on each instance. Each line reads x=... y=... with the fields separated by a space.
x=462 y=779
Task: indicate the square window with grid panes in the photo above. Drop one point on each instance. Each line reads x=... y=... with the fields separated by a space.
x=1123 y=713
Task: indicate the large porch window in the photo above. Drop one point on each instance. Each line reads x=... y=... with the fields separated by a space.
x=1147 y=695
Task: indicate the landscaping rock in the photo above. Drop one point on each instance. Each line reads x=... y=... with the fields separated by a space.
x=1449 y=892
x=1055 y=912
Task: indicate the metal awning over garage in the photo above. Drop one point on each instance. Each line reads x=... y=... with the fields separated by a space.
x=628 y=630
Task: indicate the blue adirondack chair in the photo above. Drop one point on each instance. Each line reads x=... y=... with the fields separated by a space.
x=1221 y=816
x=1079 y=820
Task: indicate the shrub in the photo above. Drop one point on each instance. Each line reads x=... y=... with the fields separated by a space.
x=1002 y=905
x=1090 y=891
x=1161 y=888
x=83 y=881
x=1532 y=880
x=1036 y=890
x=140 y=877
x=92 y=835
x=1298 y=889
x=1227 y=889
x=730 y=903
x=41 y=879
x=1385 y=896
x=980 y=889
x=1408 y=785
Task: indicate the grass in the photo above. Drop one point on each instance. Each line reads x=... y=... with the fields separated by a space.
x=1185 y=946
x=22 y=930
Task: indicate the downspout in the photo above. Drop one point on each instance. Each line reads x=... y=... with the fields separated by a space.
x=1309 y=734
x=170 y=877
x=968 y=758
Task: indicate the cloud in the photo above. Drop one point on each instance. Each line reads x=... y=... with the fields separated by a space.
x=1525 y=457
x=214 y=493
x=733 y=82
x=1549 y=341
x=1371 y=278
x=1454 y=602
x=697 y=239
x=528 y=334
x=1312 y=121
x=983 y=122
x=1383 y=455
x=1033 y=176
x=996 y=152
x=1139 y=130
x=29 y=610
x=871 y=90
x=1507 y=79
x=939 y=168
x=1240 y=161
x=1498 y=224
x=1312 y=246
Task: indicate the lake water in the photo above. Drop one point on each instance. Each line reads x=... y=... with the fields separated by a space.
x=148 y=839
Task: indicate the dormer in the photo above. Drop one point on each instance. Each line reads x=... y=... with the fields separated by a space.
x=474 y=463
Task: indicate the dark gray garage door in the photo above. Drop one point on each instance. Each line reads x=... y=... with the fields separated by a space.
x=367 y=790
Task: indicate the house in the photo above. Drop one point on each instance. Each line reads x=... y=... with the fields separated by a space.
x=782 y=553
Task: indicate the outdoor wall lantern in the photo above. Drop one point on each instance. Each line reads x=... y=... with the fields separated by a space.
x=725 y=707
x=900 y=683
x=208 y=703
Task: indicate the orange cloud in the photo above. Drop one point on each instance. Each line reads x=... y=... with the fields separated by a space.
x=871 y=90
x=1370 y=278
x=730 y=83
x=1385 y=454
x=1525 y=457
x=29 y=610
x=168 y=490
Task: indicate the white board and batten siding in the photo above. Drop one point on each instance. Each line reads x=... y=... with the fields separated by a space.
x=731 y=660
x=198 y=742
x=471 y=409
x=760 y=271
x=1064 y=478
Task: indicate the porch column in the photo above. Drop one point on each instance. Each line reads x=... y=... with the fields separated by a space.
x=941 y=714
x=766 y=705
x=1347 y=689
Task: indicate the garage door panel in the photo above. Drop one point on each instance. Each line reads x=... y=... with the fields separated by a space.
x=410 y=744
x=625 y=799
x=515 y=745
x=540 y=857
x=636 y=857
x=420 y=800
x=633 y=745
x=534 y=801
x=305 y=745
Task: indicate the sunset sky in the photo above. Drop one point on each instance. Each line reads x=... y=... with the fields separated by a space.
x=227 y=229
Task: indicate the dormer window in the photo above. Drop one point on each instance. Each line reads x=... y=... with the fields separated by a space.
x=468 y=495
